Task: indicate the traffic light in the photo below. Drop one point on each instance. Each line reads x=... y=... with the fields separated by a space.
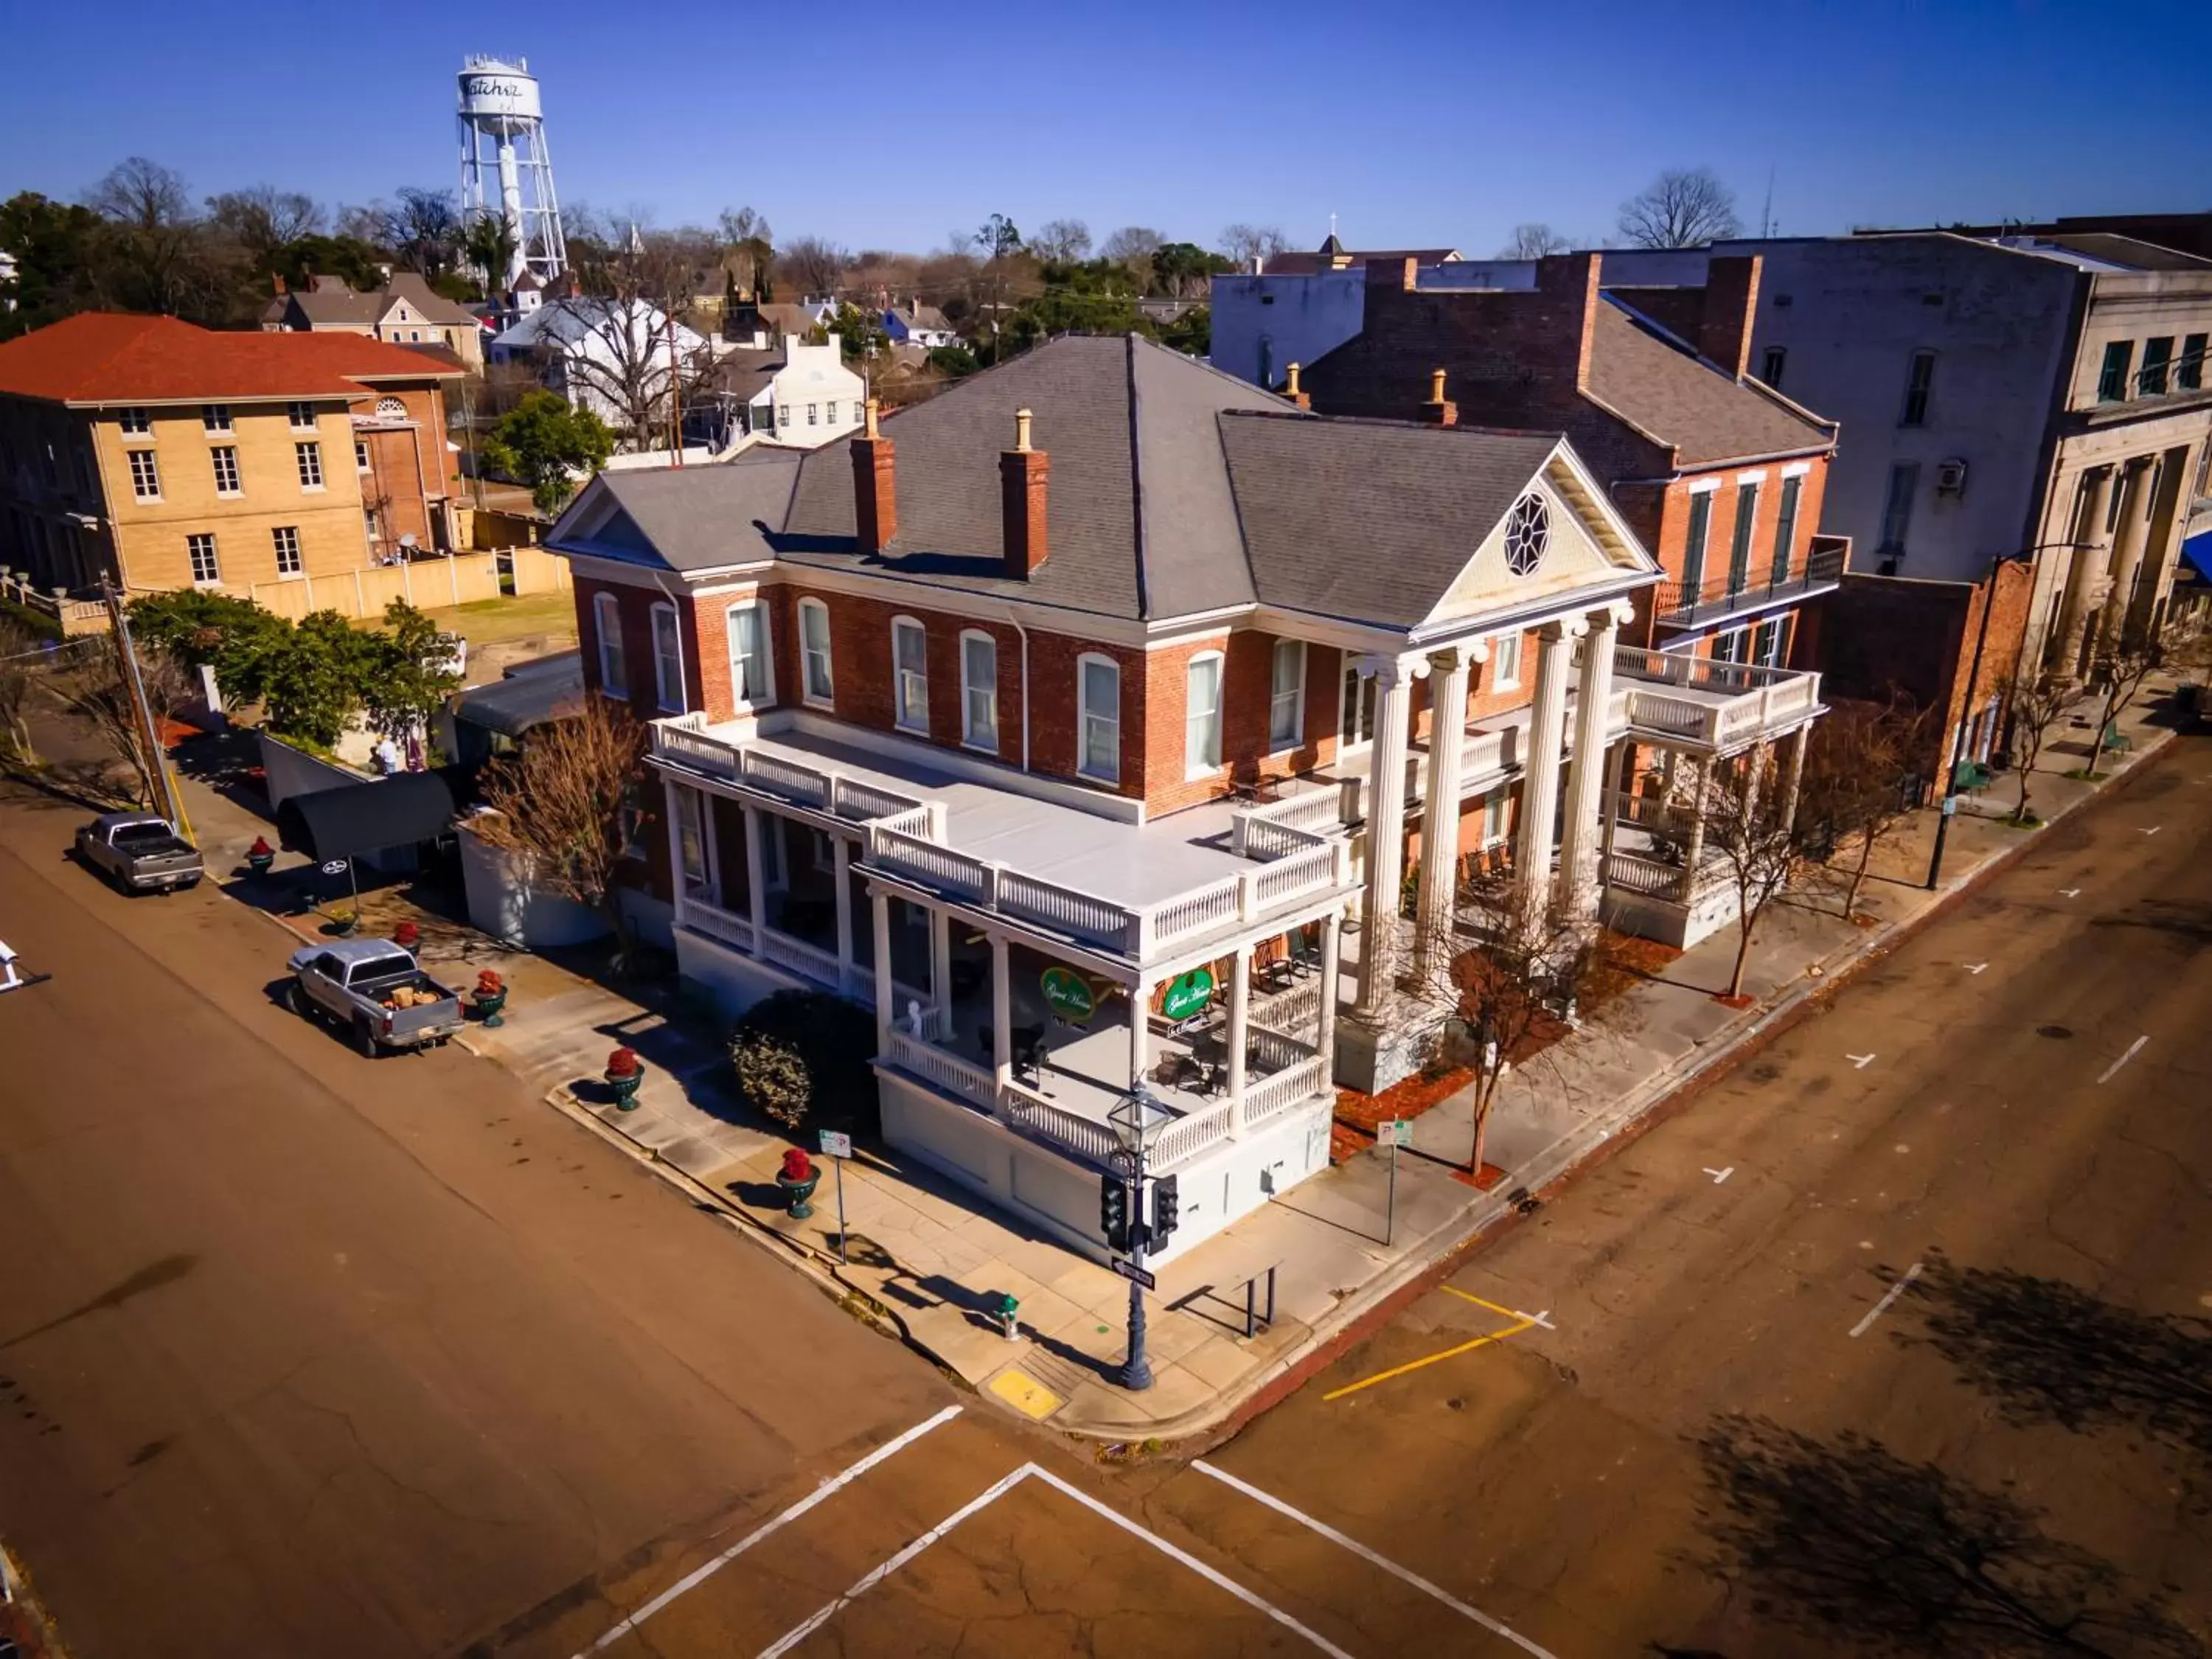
x=1165 y=1203
x=1113 y=1212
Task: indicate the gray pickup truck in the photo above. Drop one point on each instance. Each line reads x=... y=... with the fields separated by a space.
x=139 y=852
x=372 y=987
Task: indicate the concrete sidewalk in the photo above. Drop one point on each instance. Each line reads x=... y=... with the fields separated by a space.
x=926 y=1258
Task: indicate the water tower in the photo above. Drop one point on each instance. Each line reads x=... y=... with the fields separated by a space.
x=506 y=170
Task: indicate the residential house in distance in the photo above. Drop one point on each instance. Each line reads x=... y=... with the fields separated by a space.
x=760 y=325
x=918 y=324
x=404 y=312
x=1063 y=718
x=164 y=456
x=800 y=396
x=594 y=351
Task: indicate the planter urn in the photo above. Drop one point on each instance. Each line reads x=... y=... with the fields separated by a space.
x=797 y=1178
x=261 y=856
x=624 y=1072
x=490 y=999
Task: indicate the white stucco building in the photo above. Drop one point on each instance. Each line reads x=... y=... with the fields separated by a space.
x=591 y=351
x=798 y=395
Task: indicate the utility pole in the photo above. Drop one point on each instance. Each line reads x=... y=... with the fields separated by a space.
x=134 y=685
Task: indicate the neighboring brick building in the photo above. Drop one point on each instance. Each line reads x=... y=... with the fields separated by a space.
x=168 y=456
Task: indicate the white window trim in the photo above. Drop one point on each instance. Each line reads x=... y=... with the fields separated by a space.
x=1193 y=769
x=968 y=738
x=1798 y=470
x=153 y=462
x=1348 y=740
x=605 y=605
x=1298 y=737
x=1497 y=799
x=214 y=553
x=298 y=546
x=300 y=467
x=806 y=693
x=144 y=429
x=237 y=486
x=663 y=608
x=1757 y=475
x=914 y=722
x=208 y=411
x=1083 y=717
x=759 y=610
x=292 y=415
x=1704 y=486
x=1501 y=681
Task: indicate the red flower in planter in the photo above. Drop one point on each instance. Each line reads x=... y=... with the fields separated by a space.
x=261 y=848
x=797 y=1166
x=407 y=936
x=490 y=984
x=622 y=1063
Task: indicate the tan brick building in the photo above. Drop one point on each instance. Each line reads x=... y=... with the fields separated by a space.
x=167 y=456
x=405 y=311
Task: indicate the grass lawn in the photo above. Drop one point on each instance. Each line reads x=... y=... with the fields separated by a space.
x=487 y=621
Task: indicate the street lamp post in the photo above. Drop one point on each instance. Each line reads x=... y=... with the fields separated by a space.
x=1135 y=1121
x=1973 y=674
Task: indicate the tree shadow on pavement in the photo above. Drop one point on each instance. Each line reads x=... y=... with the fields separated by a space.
x=1845 y=1542
x=2053 y=1352
x=2188 y=920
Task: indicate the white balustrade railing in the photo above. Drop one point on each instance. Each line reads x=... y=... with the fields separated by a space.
x=1484 y=752
x=1198 y=911
x=1673 y=716
x=1646 y=877
x=716 y=923
x=1278 y=1051
x=1063 y=909
x=1651 y=812
x=1022 y=1108
x=1285 y=1089
x=695 y=748
x=1264 y=838
x=1305 y=871
x=855 y=798
x=784 y=951
x=931 y=865
x=796 y=782
x=1189 y=1136
x=945 y=1068
x=1289 y=1011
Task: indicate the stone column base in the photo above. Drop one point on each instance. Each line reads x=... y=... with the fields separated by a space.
x=1372 y=1054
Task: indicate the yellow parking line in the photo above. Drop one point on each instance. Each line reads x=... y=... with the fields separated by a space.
x=1519 y=1326
x=1467 y=1296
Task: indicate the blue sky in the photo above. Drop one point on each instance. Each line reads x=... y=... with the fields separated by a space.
x=1418 y=124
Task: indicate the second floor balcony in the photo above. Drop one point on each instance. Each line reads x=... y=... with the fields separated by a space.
x=1732 y=594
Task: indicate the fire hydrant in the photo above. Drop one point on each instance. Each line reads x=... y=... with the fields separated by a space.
x=1010 y=1324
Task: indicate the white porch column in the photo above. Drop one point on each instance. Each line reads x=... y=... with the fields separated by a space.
x=1578 y=852
x=1540 y=779
x=1386 y=833
x=1002 y=1013
x=1240 y=1005
x=1794 y=774
x=756 y=879
x=1141 y=1031
x=1331 y=967
x=886 y=991
x=842 y=862
x=1439 y=891
x=941 y=957
x=1754 y=779
x=1698 y=769
x=669 y=787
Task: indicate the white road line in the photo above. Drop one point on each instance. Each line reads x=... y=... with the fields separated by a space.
x=2134 y=1049
x=1976 y=967
x=1719 y=1176
x=1860 y=1061
x=1387 y=1565
x=2069 y=892
x=877 y=1574
x=2152 y=830
x=1195 y=1565
x=693 y=1579
x=1890 y=1296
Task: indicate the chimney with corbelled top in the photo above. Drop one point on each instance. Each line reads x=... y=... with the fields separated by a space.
x=1023 y=474
x=875 y=491
x=1439 y=410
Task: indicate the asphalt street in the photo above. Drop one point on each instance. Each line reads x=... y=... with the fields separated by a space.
x=1891 y=1340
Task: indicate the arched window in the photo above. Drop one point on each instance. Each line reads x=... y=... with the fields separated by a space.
x=1201 y=747
x=1099 y=696
x=606 y=622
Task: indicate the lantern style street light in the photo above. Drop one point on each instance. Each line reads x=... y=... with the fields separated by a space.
x=1136 y=1123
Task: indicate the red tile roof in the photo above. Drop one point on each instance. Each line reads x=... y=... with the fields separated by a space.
x=110 y=358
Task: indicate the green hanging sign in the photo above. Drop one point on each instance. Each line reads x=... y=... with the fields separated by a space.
x=1068 y=996
x=1187 y=994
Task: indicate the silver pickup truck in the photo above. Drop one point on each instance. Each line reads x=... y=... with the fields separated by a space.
x=372 y=987
x=139 y=852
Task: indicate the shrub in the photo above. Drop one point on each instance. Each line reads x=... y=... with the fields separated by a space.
x=802 y=1057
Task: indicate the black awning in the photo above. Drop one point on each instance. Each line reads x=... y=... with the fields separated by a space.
x=368 y=818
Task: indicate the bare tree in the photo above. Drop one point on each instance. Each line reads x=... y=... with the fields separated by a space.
x=816 y=265
x=1244 y=243
x=161 y=260
x=95 y=689
x=1854 y=787
x=2037 y=699
x=1681 y=208
x=1132 y=243
x=559 y=806
x=1534 y=241
x=1062 y=241
x=263 y=219
x=22 y=670
x=423 y=227
x=1735 y=812
x=751 y=249
x=2126 y=664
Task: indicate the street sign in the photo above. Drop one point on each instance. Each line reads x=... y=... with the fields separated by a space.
x=1070 y=997
x=335 y=867
x=835 y=1145
x=1950 y=805
x=1130 y=1270
x=1187 y=994
x=1394 y=1132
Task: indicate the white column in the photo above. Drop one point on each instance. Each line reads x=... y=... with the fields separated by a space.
x=842 y=863
x=1794 y=774
x=941 y=957
x=675 y=849
x=1540 y=780
x=1386 y=833
x=1002 y=1013
x=1578 y=853
x=886 y=991
x=756 y=879
x=1694 y=854
x=1140 y=1032
x=1439 y=892
x=1240 y=1002
x=1331 y=967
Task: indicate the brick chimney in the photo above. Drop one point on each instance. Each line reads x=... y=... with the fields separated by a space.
x=875 y=492
x=1439 y=410
x=1567 y=284
x=1022 y=472
x=1292 y=391
x=277 y=277
x=1731 y=301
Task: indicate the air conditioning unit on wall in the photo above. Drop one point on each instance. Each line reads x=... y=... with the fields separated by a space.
x=1951 y=478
